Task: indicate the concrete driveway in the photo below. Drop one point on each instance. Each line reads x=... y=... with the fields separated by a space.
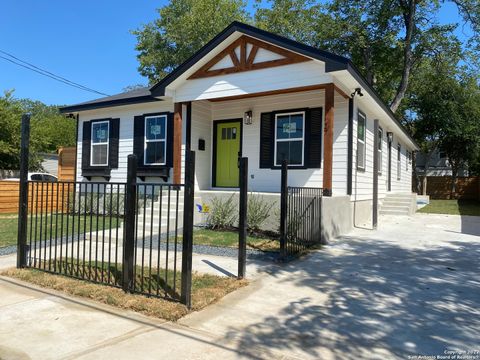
x=412 y=287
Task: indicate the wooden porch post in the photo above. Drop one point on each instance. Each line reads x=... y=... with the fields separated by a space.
x=328 y=139
x=177 y=143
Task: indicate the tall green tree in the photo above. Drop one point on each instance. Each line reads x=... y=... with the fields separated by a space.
x=182 y=28
x=48 y=130
x=387 y=40
x=446 y=107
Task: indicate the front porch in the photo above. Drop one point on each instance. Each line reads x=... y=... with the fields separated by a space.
x=216 y=129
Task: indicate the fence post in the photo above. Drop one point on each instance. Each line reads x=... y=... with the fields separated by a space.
x=128 y=281
x=242 y=222
x=23 y=195
x=283 y=209
x=187 y=244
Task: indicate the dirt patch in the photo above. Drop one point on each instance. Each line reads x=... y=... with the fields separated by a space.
x=206 y=289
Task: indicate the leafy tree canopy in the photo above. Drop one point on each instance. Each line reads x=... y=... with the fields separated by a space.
x=387 y=40
x=182 y=28
x=49 y=130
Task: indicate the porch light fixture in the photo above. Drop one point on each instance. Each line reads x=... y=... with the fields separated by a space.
x=247 y=117
x=390 y=137
x=358 y=91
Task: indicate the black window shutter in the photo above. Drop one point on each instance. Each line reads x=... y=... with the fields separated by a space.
x=113 y=151
x=138 y=138
x=86 y=140
x=170 y=131
x=313 y=139
x=266 y=140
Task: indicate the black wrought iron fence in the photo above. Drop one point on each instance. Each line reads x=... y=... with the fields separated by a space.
x=158 y=244
x=301 y=214
x=136 y=236
x=75 y=229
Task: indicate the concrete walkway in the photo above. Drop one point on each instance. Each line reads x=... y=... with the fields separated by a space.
x=412 y=287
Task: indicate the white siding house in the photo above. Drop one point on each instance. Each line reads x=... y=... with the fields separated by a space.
x=255 y=94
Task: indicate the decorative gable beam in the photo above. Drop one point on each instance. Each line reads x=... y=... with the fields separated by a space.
x=247 y=60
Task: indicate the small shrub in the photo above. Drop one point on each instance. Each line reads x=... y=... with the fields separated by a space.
x=258 y=211
x=223 y=213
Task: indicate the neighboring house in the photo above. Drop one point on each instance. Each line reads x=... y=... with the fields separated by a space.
x=255 y=94
x=438 y=165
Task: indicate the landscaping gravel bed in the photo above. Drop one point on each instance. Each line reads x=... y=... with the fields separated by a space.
x=197 y=249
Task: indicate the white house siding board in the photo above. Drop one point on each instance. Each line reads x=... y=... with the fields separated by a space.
x=125 y=147
x=362 y=183
x=405 y=182
x=275 y=78
x=202 y=129
x=362 y=186
x=267 y=180
x=340 y=146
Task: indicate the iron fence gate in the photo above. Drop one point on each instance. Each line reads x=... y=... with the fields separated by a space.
x=136 y=236
x=300 y=217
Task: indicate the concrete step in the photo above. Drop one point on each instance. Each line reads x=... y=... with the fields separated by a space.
x=398 y=196
x=396 y=203
x=394 y=212
x=395 y=207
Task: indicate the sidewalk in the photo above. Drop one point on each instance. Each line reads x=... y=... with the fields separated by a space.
x=38 y=324
x=410 y=288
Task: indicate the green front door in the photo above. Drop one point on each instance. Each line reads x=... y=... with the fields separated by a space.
x=228 y=139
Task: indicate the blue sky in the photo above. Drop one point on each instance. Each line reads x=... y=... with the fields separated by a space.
x=86 y=41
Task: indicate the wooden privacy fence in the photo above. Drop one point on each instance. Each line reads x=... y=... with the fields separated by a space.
x=439 y=187
x=45 y=197
x=66 y=163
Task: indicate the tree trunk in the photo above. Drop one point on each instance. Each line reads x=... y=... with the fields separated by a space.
x=367 y=60
x=409 y=9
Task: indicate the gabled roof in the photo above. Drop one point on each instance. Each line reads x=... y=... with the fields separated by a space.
x=140 y=95
x=332 y=62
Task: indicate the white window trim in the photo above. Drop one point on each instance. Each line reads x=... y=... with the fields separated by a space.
x=290 y=140
x=145 y=140
x=99 y=143
x=363 y=141
x=380 y=151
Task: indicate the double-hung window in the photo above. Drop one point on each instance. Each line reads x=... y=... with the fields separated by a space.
x=155 y=140
x=399 y=163
x=380 y=150
x=100 y=143
x=361 y=138
x=290 y=138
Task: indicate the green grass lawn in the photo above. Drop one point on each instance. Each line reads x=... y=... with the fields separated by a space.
x=452 y=207
x=51 y=225
x=230 y=239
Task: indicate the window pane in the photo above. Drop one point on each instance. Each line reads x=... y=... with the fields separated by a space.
x=290 y=126
x=380 y=162
x=99 y=133
x=155 y=128
x=291 y=151
x=155 y=153
x=99 y=154
x=361 y=155
x=361 y=128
